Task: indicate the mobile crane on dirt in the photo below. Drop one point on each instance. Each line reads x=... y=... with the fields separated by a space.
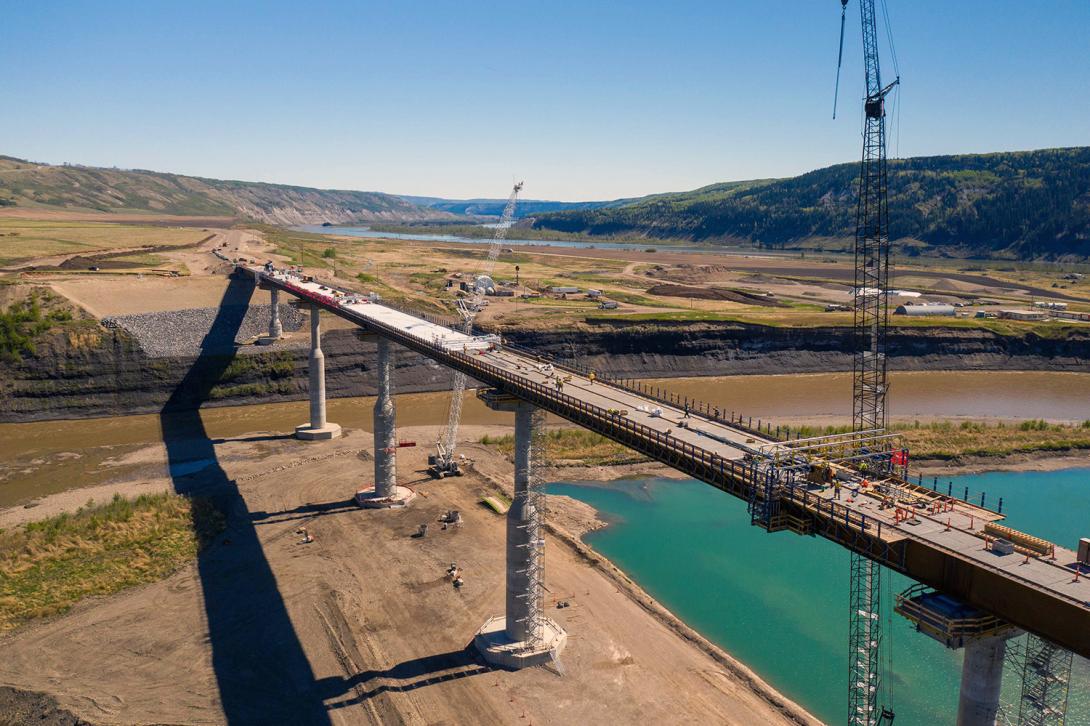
x=444 y=462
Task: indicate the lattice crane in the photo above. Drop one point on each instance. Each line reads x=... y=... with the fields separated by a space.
x=444 y=463
x=869 y=384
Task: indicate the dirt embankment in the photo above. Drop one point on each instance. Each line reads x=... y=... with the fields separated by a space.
x=110 y=373
x=677 y=349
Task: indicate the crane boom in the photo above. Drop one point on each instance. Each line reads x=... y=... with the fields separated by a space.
x=443 y=463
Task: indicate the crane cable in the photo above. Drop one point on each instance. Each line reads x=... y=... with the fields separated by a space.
x=840 y=55
x=896 y=114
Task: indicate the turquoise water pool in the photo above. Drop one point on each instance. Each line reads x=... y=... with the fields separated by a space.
x=779 y=602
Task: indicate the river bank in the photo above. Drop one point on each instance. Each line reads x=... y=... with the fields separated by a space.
x=257 y=457
x=370 y=638
x=42 y=457
x=139 y=368
x=777 y=601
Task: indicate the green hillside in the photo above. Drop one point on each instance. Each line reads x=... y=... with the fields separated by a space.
x=27 y=184
x=1032 y=204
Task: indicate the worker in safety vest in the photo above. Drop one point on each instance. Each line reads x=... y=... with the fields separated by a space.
x=836 y=489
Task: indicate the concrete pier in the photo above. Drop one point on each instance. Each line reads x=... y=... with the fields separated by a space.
x=981 y=681
x=385 y=432
x=523 y=636
x=318 y=429
x=518 y=609
x=385 y=492
x=276 y=330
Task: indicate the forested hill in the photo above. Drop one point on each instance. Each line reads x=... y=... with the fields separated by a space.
x=1031 y=204
x=29 y=184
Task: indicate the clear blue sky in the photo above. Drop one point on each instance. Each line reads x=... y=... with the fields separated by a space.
x=584 y=99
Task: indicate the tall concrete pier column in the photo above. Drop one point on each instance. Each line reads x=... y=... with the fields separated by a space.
x=523 y=636
x=981 y=681
x=318 y=428
x=276 y=330
x=385 y=492
x=385 y=432
x=520 y=611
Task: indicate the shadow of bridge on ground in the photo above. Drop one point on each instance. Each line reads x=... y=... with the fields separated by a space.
x=261 y=670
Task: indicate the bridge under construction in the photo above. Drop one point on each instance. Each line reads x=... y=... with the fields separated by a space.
x=980 y=582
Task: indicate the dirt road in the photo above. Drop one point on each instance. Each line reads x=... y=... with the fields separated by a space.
x=361 y=625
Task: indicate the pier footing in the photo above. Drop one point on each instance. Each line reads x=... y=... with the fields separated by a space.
x=498 y=649
x=368 y=498
x=307 y=433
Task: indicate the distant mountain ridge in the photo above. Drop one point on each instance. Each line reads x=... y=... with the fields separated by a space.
x=29 y=184
x=1017 y=205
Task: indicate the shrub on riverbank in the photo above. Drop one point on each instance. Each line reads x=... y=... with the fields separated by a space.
x=937 y=440
x=580 y=445
x=50 y=565
x=952 y=439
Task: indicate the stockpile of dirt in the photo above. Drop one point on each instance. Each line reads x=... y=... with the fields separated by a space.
x=715 y=293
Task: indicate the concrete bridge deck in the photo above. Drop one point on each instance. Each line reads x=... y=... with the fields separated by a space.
x=945 y=550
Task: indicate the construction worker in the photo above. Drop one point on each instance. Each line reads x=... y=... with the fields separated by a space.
x=592 y=377
x=836 y=489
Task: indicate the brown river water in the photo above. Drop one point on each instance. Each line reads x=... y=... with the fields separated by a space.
x=44 y=457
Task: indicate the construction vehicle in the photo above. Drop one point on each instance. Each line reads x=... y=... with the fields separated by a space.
x=443 y=462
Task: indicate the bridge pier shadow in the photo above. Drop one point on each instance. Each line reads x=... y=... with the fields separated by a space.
x=406 y=676
x=261 y=669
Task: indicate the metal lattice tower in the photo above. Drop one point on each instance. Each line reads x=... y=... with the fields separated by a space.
x=535 y=501
x=869 y=386
x=871 y=294
x=864 y=638
x=1046 y=678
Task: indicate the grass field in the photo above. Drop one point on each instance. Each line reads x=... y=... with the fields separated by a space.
x=416 y=273
x=30 y=313
x=26 y=239
x=50 y=565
